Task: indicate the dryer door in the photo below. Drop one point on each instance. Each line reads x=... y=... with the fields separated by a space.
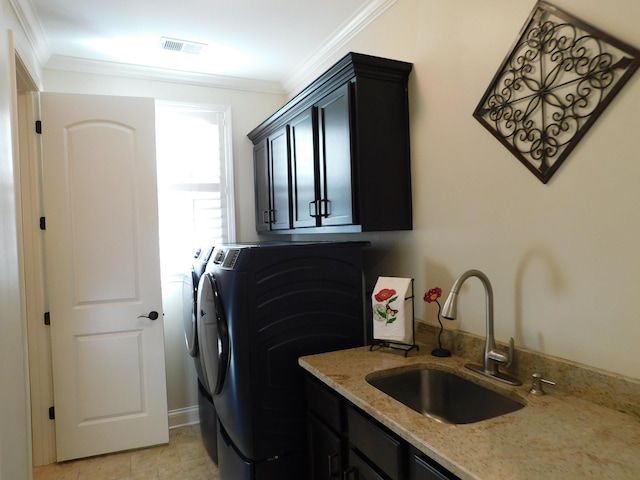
x=189 y=313
x=213 y=334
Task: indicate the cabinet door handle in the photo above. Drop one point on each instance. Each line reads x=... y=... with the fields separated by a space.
x=350 y=473
x=334 y=464
x=324 y=207
x=314 y=213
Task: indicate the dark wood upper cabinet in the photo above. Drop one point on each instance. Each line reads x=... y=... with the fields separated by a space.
x=347 y=166
x=279 y=145
x=337 y=186
x=272 y=184
x=262 y=186
x=303 y=168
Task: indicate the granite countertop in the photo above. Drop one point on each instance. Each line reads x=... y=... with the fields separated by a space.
x=556 y=436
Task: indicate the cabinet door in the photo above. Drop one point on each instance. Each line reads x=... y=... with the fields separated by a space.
x=423 y=468
x=279 y=176
x=303 y=170
x=324 y=451
x=262 y=186
x=359 y=469
x=376 y=443
x=335 y=168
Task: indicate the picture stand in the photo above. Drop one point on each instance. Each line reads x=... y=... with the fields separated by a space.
x=406 y=347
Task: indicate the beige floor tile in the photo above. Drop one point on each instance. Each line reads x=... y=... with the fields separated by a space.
x=191 y=450
x=185 y=458
x=154 y=458
x=107 y=467
x=57 y=471
x=192 y=470
x=185 y=433
x=151 y=474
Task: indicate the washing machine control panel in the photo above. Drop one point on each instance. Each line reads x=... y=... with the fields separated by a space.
x=227 y=258
x=218 y=257
x=230 y=258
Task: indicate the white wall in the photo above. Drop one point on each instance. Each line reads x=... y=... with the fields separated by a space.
x=563 y=257
x=15 y=439
x=247 y=110
x=14 y=420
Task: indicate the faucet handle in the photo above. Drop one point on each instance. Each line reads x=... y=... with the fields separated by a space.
x=511 y=348
x=536 y=384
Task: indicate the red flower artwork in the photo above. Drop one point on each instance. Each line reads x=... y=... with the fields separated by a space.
x=382 y=310
x=433 y=295
x=384 y=294
x=430 y=297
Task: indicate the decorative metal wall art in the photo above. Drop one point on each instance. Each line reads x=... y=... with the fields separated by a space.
x=558 y=78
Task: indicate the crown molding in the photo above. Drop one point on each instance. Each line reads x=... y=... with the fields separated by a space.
x=30 y=23
x=294 y=81
x=114 y=69
x=297 y=79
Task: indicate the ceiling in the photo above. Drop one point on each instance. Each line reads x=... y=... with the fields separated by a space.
x=260 y=40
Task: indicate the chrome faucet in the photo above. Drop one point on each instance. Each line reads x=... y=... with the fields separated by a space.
x=493 y=358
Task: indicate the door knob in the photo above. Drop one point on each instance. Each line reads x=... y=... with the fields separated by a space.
x=153 y=315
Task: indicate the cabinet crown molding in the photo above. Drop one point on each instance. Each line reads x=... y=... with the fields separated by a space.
x=348 y=68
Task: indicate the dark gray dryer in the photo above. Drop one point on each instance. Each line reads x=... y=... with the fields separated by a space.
x=263 y=306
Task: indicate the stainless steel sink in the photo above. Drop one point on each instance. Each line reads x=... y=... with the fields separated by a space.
x=444 y=396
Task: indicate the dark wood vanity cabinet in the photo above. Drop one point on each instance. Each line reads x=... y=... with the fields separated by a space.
x=421 y=467
x=346 y=443
x=348 y=158
x=373 y=450
x=326 y=437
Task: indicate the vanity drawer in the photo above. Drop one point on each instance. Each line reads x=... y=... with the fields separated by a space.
x=374 y=442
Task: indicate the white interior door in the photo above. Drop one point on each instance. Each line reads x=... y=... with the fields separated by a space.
x=103 y=273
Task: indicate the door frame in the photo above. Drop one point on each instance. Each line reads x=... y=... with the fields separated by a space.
x=32 y=261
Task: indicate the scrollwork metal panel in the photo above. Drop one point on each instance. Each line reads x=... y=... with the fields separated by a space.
x=558 y=78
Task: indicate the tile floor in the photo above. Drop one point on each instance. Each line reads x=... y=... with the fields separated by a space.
x=184 y=458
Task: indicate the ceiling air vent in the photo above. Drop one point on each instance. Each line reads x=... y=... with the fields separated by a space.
x=175 y=45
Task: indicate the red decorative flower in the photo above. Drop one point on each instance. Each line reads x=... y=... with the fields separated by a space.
x=433 y=295
x=384 y=294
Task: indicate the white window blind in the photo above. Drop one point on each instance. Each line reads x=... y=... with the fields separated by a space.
x=195 y=194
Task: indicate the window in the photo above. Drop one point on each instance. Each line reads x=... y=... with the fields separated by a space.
x=195 y=181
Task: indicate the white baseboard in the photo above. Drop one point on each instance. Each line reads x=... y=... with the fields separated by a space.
x=184 y=416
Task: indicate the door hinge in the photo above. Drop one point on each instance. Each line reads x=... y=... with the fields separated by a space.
x=38 y=126
x=43 y=223
x=47 y=318
x=52 y=413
